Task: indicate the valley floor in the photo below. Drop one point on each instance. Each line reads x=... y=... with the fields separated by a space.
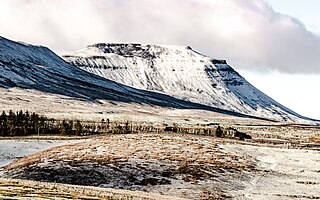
x=64 y=107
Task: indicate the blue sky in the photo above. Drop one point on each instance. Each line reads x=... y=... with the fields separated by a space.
x=306 y=11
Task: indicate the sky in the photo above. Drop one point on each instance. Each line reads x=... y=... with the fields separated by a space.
x=307 y=11
x=274 y=44
x=297 y=91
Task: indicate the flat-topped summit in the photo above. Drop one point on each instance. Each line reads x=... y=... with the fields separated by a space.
x=181 y=72
x=146 y=51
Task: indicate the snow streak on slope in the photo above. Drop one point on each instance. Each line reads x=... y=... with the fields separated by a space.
x=181 y=72
x=36 y=67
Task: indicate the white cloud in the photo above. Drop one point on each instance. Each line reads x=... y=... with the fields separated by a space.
x=296 y=91
x=246 y=32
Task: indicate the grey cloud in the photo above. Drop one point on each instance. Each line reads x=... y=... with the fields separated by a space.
x=248 y=33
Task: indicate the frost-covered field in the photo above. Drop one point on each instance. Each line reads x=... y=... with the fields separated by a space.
x=13 y=149
x=180 y=165
x=187 y=166
x=281 y=173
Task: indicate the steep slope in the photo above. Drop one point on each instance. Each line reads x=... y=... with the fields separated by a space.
x=36 y=67
x=180 y=72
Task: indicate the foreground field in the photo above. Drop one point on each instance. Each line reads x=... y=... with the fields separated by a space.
x=280 y=173
x=175 y=165
x=26 y=189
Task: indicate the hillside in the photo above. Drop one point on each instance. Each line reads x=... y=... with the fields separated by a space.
x=29 y=67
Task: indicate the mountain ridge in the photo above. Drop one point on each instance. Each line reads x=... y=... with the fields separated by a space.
x=181 y=72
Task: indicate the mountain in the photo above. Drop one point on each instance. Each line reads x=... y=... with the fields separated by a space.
x=36 y=67
x=181 y=72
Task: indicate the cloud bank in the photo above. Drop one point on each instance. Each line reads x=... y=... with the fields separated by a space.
x=248 y=33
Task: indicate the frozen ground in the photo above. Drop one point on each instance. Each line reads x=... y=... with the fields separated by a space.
x=282 y=173
x=13 y=149
x=187 y=166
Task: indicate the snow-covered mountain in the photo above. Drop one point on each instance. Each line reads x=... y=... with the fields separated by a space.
x=181 y=72
x=35 y=67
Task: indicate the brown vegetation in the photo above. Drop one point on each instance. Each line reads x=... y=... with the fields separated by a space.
x=171 y=164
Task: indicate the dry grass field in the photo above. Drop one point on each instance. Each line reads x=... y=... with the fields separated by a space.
x=173 y=166
x=186 y=166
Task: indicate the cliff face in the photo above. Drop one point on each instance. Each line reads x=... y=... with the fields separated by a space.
x=181 y=72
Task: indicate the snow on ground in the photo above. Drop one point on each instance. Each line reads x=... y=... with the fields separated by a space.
x=181 y=165
x=187 y=166
x=64 y=107
x=283 y=173
x=13 y=149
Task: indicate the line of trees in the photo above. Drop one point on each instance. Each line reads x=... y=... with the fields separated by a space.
x=25 y=123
